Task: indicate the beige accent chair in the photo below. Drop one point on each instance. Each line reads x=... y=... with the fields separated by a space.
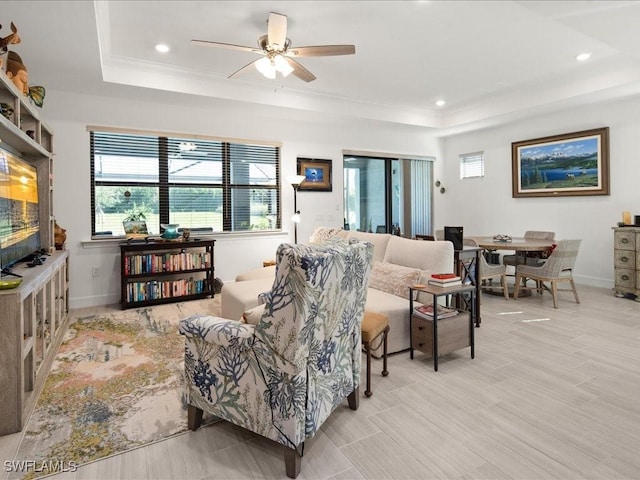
x=490 y=271
x=557 y=268
x=531 y=258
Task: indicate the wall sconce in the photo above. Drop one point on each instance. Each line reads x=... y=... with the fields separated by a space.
x=295 y=181
x=439 y=184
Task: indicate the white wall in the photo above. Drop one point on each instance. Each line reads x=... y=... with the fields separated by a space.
x=302 y=134
x=486 y=207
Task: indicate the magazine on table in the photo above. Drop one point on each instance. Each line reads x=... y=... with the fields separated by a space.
x=426 y=311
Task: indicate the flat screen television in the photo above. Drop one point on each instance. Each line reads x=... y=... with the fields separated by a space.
x=19 y=211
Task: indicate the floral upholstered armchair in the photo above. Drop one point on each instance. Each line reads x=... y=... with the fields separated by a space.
x=282 y=377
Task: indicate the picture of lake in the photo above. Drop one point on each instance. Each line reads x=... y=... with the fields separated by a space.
x=569 y=164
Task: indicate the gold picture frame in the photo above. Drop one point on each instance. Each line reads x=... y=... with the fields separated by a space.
x=562 y=165
x=317 y=174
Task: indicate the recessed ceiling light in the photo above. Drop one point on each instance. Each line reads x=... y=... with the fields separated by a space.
x=583 y=56
x=440 y=103
x=162 y=48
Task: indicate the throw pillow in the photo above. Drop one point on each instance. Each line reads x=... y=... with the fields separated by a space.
x=253 y=315
x=320 y=234
x=394 y=279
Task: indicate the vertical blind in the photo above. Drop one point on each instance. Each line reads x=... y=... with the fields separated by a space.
x=201 y=184
x=472 y=165
x=421 y=173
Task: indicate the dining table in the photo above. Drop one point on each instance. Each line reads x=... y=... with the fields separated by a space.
x=520 y=245
x=517 y=244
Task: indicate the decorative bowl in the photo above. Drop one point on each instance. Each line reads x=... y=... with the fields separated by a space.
x=170 y=230
x=6 y=283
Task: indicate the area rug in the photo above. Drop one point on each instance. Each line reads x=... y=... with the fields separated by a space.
x=117 y=383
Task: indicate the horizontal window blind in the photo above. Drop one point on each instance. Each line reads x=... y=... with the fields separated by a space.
x=203 y=184
x=472 y=165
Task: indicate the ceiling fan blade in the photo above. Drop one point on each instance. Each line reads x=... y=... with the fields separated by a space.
x=277 y=31
x=321 y=51
x=301 y=72
x=228 y=46
x=248 y=66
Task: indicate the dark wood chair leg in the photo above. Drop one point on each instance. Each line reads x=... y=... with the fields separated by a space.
x=354 y=399
x=292 y=461
x=194 y=417
x=367 y=348
x=385 y=372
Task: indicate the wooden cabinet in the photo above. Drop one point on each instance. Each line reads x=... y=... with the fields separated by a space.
x=34 y=314
x=34 y=317
x=165 y=272
x=626 y=261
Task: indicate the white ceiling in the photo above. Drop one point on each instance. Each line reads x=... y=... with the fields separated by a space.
x=492 y=61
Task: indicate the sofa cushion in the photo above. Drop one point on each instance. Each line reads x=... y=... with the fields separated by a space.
x=237 y=297
x=397 y=309
x=378 y=240
x=394 y=279
x=253 y=315
x=435 y=256
x=257 y=273
x=320 y=234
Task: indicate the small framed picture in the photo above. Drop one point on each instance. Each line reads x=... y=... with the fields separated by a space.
x=317 y=174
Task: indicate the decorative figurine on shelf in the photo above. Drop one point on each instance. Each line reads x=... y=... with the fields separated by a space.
x=6 y=110
x=17 y=72
x=186 y=233
x=59 y=236
x=11 y=39
x=36 y=95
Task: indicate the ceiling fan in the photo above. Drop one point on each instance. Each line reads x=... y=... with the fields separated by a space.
x=278 y=54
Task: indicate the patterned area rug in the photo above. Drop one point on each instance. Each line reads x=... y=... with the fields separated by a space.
x=117 y=383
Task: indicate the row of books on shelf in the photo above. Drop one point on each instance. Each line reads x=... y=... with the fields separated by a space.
x=165 y=262
x=426 y=311
x=155 y=289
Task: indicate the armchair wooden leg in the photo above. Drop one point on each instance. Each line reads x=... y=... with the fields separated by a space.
x=194 y=417
x=354 y=399
x=517 y=287
x=292 y=461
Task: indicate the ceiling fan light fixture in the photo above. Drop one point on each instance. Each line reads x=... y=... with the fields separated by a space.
x=282 y=65
x=266 y=68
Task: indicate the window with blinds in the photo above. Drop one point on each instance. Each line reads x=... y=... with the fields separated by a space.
x=204 y=185
x=472 y=165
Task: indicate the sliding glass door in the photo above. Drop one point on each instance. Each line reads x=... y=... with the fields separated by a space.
x=380 y=195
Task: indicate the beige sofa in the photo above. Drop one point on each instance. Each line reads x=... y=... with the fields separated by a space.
x=398 y=263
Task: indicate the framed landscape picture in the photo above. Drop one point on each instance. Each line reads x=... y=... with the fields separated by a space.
x=562 y=165
x=317 y=174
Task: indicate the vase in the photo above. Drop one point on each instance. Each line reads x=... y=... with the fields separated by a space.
x=170 y=231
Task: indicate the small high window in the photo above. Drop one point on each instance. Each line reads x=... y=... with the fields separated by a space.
x=472 y=165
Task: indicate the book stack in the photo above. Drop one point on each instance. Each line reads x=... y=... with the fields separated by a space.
x=445 y=280
x=426 y=311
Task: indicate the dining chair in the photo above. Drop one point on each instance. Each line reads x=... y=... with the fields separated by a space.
x=490 y=271
x=425 y=237
x=557 y=268
x=530 y=258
